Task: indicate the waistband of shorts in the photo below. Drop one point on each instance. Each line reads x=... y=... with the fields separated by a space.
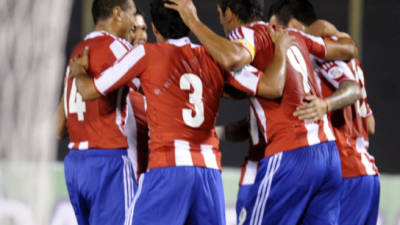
x=100 y=152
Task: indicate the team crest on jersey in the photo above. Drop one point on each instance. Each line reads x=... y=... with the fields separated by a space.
x=335 y=72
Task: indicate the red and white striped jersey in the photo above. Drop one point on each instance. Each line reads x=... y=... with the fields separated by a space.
x=282 y=131
x=98 y=123
x=348 y=123
x=137 y=132
x=183 y=86
x=255 y=153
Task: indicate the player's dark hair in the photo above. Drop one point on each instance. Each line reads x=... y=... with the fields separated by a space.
x=102 y=9
x=167 y=21
x=302 y=10
x=246 y=10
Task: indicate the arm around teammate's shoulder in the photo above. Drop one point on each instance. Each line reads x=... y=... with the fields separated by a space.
x=273 y=80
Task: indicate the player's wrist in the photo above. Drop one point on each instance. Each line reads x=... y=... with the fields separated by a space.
x=328 y=107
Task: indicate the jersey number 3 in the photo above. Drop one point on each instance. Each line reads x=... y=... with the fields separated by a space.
x=191 y=80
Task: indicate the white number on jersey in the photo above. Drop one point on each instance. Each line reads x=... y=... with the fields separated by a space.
x=359 y=76
x=191 y=80
x=76 y=104
x=299 y=64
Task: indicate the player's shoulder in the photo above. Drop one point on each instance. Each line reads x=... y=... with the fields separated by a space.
x=97 y=41
x=248 y=31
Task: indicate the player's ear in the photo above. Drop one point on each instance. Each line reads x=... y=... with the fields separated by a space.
x=228 y=14
x=117 y=13
x=158 y=35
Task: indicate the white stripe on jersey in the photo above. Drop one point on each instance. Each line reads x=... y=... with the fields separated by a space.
x=312 y=133
x=118 y=49
x=113 y=74
x=209 y=156
x=247 y=78
x=118 y=117
x=362 y=146
x=253 y=128
x=260 y=115
x=71 y=145
x=327 y=130
x=131 y=135
x=250 y=173
x=248 y=35
x=183 y=157
x=83 y=145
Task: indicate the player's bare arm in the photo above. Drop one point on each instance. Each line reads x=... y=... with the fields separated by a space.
x=370 y=122
x=229 y=55
x=273 y=80
x=344 y=48
x=84 y=83
x=234 y=132
x=347 y=93
x=61 y=121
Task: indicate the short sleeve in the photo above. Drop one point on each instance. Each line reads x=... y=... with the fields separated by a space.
x=245 y=37
x=246 y=79
x=122 y=72
x=335 y=72
x=316 y=45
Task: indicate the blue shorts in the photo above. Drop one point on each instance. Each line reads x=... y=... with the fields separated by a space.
x=360 y=201
x=100 y=185
x=181 y=195
x=301 y=186
x=244 y=191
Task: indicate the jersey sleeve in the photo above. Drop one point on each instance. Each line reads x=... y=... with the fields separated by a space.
x=123 y=71
x=316 y=45
x=246 y=79
x=335 y=72
x=245 y=37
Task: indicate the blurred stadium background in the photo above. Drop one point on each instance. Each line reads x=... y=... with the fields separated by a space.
x=37 y=36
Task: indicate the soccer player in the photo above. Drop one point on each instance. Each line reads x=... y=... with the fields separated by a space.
x=136 y=126
x=240 y=131
x=342 y=83
x=98 y=174
x=299 y=179
x=138 y=34
x=183 y=86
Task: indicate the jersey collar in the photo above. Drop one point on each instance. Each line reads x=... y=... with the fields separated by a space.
x=179 y=42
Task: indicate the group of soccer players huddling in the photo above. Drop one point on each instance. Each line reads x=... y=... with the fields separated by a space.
x=144 y=148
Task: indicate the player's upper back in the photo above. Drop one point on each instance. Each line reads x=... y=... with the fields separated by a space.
x=183 y=86
x=97 y=123
x=282 y=130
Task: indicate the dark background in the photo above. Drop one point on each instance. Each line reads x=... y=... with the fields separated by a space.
x=380 y=45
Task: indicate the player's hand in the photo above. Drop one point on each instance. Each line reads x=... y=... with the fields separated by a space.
x=281 y=38
x=185 y=8
x=313 y=111
x=79 y=64
x=323 y=28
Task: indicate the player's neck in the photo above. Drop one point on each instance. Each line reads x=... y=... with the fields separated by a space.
x=106 y=25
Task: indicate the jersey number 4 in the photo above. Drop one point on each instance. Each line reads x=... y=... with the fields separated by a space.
x=191 y=80
x=75 y=102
